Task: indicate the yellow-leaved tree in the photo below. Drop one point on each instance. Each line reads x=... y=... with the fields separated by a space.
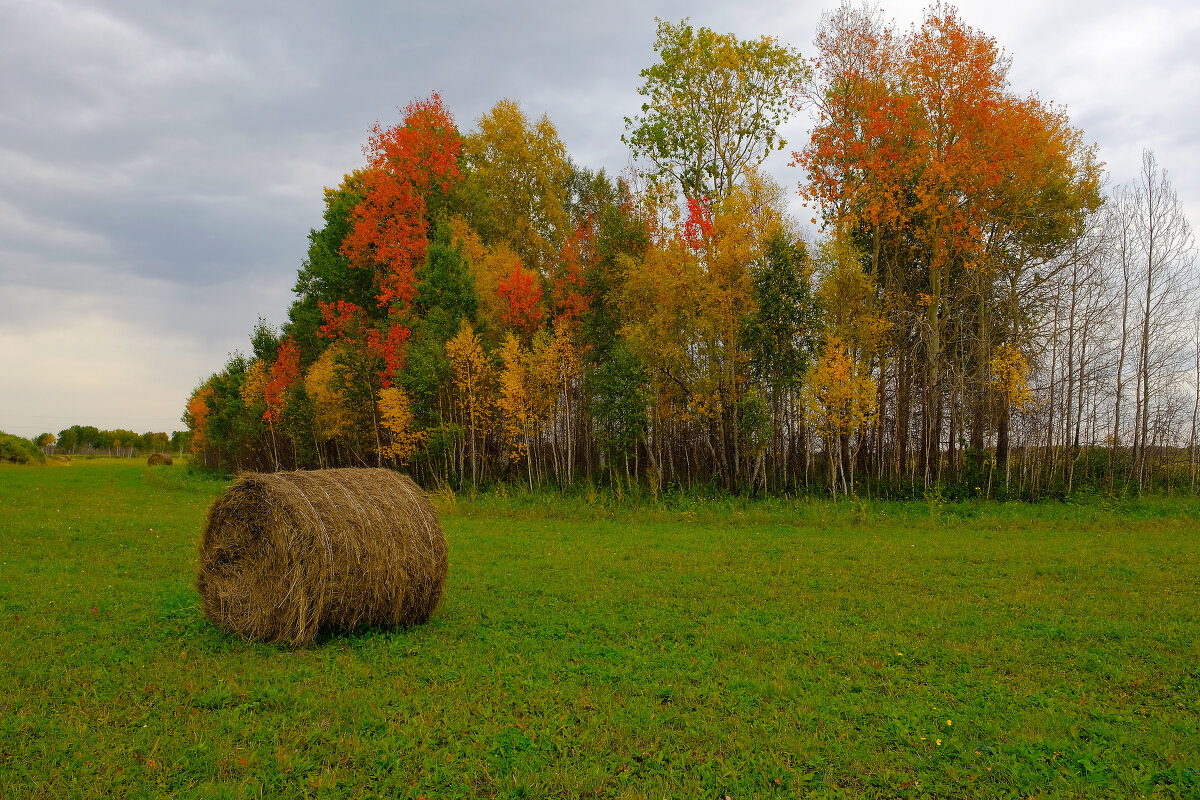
x=474 y=384
x=331 y=418
x=257 y=378
x=841 y=392
x=524 y=170
x=395 y=413
x=840 y=401
x=516 y=402
x=556 y=378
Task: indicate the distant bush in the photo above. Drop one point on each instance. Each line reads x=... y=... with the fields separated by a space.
x=17 y=450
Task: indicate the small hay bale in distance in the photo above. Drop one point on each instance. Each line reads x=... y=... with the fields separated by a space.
x=288 y=555
x=159 y=460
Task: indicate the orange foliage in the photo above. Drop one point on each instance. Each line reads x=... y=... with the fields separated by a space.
x=568 y=302
x=407 y=164
x=521 y=293
x=196 y=417
x=284 y=373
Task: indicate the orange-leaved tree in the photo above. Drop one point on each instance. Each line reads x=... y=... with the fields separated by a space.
x=520 y=292
x=409 y=167
x=196 y=418
x=952 y=186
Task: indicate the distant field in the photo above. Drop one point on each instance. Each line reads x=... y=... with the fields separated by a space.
x=680 y=650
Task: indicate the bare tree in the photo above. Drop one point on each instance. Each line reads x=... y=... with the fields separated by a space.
x=1166 y=246
x=1196 y=402
x=1121 y=210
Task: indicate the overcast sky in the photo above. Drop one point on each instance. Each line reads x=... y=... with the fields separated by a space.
x=161 y=164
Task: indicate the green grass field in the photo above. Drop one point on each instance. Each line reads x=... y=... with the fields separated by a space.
x=717 y=650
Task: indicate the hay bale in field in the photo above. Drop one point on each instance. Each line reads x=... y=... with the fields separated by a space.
x=288 y=555
x=159 y=460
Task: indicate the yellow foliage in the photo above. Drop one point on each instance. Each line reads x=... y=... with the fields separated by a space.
x=853 y=313
x=330 y=416
x=257 y=378
x=1010 y=377
x=525 y=168
x=687 y=301
x=474 y=378
x=488 y=266
x=463 y=236
x=840 y=393
x=514 y=401
x=395 y=411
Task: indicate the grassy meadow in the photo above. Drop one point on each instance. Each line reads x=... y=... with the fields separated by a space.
x=677 y=649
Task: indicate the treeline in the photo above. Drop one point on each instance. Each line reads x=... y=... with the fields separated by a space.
x=977 y=318
x=120 y=443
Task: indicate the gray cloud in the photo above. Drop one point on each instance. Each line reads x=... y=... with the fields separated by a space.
x=161 y=163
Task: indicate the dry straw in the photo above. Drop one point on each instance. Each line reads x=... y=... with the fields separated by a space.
x=159 y=460
x=289 y=555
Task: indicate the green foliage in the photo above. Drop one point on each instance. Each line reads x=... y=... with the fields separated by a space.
x=237 y=435
x=326 y=275
x=619 y=403
x=264 y=342
x=179 y=441
x=713 y=107
x=687 y=648
x=781 y=332
x=445 y=289
x=620 y=235
x=297 y=425
x=119 y=442
x=18 y=450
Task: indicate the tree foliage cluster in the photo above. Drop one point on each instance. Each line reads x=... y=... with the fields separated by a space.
x=17 y=450
x=478 y=307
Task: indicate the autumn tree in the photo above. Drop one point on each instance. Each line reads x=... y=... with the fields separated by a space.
x=403 y=440
x=332 y=420
x=195 y=417
x=525 y=172
x=368 y=357
x=517 y=402
x=410 y=168
x=840 y=399
x=520 y=293
x=713 y=108
x=686 y=303
x=474 y=382
x=960 y=194
x=842 y=388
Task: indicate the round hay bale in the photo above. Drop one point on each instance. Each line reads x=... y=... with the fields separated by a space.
x=289 y=555
x=159 y=460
